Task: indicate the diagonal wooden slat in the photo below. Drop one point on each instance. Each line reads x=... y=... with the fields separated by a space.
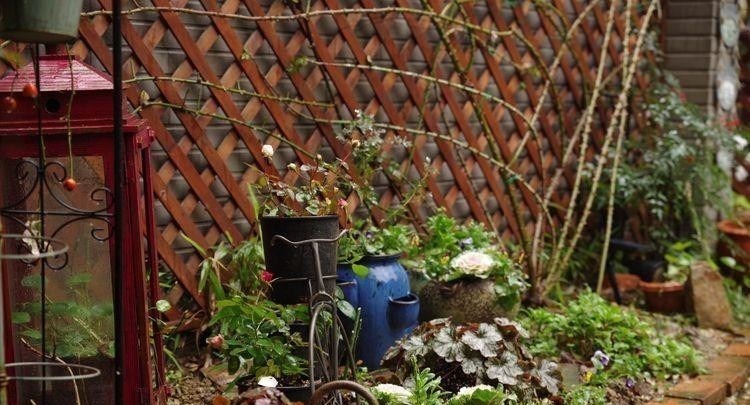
x=204 y=199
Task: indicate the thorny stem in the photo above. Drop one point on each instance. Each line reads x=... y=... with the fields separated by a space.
x=616 y=162
x=619 y=109
x=586 y=126
x=201 y=82
x=306 y=15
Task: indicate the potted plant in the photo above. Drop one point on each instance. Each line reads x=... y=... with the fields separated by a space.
x=40 y=21
x=262 y=343
x=464 y=355
x=666 y=294
x=369 y=260
x=297 y=212
x=469 y=279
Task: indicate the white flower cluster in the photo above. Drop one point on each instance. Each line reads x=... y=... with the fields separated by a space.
x=396 y=391
x=469 y=391
x=474 y=263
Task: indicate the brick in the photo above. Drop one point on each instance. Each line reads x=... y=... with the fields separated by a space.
x=732 y=370
x=694 y=79
x=691 y=27
x=690 y=62
x=677 y=45
x=674 y=401
x=737 y=349
x=707 y=391
x=676 y=10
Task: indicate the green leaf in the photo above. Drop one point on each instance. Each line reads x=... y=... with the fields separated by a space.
x=360 y=270
x=32 y=281
x=728 y=261
x=79 y=279
x=347 y=309
x=20 y=317
x=195 y=245
x=32 y=333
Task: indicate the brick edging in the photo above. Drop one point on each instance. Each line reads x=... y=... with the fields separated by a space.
x=726 y=374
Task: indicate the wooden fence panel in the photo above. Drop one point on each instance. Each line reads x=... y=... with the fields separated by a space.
x=217 y=85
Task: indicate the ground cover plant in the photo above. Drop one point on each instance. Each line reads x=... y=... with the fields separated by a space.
x=612 y=341
x=471 y=354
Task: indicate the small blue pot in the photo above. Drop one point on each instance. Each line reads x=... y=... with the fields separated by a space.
x=389 y=310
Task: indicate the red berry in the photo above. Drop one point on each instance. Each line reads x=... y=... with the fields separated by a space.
x=8 y=104
x=70 y=184
x=266 y=276
x=30 y=90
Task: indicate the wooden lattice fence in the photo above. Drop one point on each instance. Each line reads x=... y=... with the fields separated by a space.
x=213 y=86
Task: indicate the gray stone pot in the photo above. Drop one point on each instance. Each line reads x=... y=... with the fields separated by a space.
x=463 y=301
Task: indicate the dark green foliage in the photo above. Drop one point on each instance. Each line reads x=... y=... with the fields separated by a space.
x=258 y=338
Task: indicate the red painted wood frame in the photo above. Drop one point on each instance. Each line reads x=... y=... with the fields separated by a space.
x=136 y=362
x=92 y=127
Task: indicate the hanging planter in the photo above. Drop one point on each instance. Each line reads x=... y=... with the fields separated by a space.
x=40 y=21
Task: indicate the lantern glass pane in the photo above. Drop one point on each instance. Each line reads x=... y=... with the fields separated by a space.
x=79 y=320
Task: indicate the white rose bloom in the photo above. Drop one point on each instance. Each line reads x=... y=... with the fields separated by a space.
x=267 y=150
x=468 y=391
x=473 y=262
x=740 y=173
x=392 y=389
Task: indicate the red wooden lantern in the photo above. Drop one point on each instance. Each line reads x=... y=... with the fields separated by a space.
x=60 y=187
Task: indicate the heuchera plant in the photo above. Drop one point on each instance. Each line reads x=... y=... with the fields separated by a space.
x=472 y=354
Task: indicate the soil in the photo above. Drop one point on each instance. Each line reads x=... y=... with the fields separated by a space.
x=190 y=388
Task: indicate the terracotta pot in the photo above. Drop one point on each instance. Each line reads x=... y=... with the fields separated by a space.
x=739 y=234
x=463 y=301
x=665 y=298
x=625 y=282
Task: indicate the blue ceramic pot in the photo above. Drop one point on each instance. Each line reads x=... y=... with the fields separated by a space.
x=389 y=309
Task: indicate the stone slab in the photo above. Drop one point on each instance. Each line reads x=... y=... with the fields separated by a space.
x=706 y=292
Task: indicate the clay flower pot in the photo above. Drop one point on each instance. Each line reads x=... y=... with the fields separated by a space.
x=739 y=234
x=463 y=301
x=665 y=298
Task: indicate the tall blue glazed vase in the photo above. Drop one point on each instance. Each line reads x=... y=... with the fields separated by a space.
x=389 y=309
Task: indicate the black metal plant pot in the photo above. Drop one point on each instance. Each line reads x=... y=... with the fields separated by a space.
x=293 y=267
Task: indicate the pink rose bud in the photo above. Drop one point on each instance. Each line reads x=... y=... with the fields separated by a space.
x=217 y=342
x=343 y=203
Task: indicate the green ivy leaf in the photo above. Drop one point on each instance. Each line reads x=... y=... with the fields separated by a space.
x=360 y=270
